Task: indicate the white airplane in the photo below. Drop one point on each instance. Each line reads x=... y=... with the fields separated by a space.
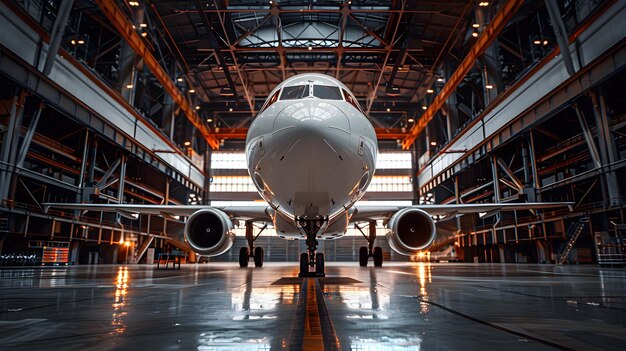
x=311 y=153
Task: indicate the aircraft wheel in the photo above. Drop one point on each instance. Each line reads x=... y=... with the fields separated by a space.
x=304 y=263
x=319 y=262
x=258 y=257
x=378 y=256
x=363 y=256
x=244 y=256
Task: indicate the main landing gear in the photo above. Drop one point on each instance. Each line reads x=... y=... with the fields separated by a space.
x=255 y=252
x=370 y=251
x=311 y=263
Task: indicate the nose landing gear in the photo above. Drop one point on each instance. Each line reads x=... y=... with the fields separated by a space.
x=311 y=259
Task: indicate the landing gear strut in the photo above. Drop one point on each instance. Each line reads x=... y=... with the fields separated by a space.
x=311 y=259
x=370 y=251
x=255 y=252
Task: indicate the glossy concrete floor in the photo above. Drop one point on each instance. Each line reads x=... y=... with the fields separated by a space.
x=396 y=307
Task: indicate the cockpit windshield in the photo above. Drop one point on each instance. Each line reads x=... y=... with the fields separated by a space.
x=327 y=92
x=295 y=92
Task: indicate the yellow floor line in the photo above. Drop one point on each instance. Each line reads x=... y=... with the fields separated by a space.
x=312 y=326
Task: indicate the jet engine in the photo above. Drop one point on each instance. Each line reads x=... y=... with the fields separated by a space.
x=411 y=230
x=209 y=232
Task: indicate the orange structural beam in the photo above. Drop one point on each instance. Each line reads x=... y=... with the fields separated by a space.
x=240 y=133
x=125 y=28
x=489 y=34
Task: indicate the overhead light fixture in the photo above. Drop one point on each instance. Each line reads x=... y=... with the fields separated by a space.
x=198 y=107
x=230 y=109
x=392 y=90
x=133 y=3
x=440 y=80
x=73 y=42
x=489 y=86
x=144 y=34
x=129 y=86
x=191 y=91
x=310 y=48
x=209 y=120
x=433 y=143
x=483 y=3
x=476 y=25
x=187 y=143
x=143 y=25
x=179 y=79
x=429 y=91
x=536 y=42
x=475 y=34
x=226 y=91
x=411 y=120
x=545 y=42
x=424 y=107
x=388 y=109
x=81 y=42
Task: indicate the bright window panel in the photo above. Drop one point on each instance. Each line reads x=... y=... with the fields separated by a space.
x=232 y=184
x=228 y=160
x=394 y=160
x=390 y=184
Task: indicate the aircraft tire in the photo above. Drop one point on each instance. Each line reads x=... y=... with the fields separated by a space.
x=378 y=256
x=244 y=256
x=363 y=256
x=258 y=256
x=304 y=263
x=319 y=263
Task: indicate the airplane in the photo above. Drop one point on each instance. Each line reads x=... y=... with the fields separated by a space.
x=311 y=153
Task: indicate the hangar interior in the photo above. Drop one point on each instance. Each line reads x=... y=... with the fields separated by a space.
x=473 y=102
x=149 y=102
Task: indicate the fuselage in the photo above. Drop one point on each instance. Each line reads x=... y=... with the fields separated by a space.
x=311 y=153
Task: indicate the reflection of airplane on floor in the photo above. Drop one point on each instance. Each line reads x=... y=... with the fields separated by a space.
x=311 y=153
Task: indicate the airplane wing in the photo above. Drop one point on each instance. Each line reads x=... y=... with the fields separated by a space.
x=365 y=213
x=256 y=213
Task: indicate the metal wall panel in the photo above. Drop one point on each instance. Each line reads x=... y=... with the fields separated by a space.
x=22 y=41
x=600 y=36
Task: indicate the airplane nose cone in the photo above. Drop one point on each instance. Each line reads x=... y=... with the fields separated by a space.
x=311 y=116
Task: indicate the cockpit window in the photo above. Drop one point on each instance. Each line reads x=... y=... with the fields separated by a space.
x=270 y=101
x=295 y=92
x=327 y=92
x=352 y=100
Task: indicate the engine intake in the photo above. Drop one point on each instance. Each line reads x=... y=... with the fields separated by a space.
x=411 y=230
x=209 y=232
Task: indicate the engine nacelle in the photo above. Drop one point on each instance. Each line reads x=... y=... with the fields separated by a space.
x=209 y=232
x=411 y=230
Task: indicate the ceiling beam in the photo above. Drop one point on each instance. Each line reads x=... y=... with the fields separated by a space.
x=240 y=133
x=125 y=28
x=489 y=34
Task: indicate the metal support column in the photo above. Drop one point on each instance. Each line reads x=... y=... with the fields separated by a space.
x=120 y=193
x=496 y=186
x=561 y=35
x=607 y=148
x=588 y=137
x=518 y=184
x=9 y=142
x=23 y=148
x=58 y=30
x=496 y=178
x=457 y=197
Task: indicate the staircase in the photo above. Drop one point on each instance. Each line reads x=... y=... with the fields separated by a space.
x=573 y=234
